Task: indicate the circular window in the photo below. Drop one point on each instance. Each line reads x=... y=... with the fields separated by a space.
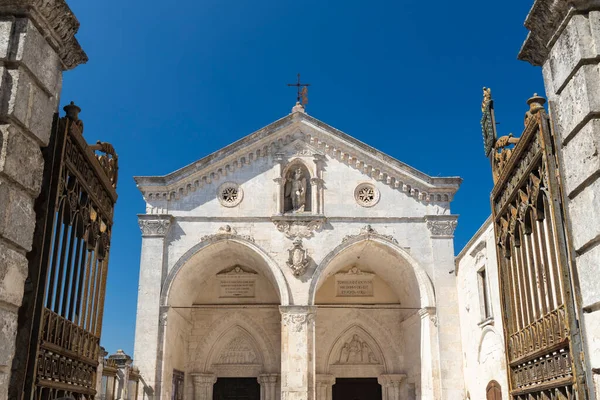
x=366 y=195
x=230 y=194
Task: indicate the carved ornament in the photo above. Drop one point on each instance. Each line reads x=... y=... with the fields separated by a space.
x=298 y=260
x=298 y=227
x=297 y=322
x=356 y=352
x=368 y=232
x=154 y=225
x=238 y=351
x=226 y=231
x=441 y=227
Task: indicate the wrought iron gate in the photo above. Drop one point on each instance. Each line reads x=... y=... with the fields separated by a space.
x=61 y=317
x=543 y=344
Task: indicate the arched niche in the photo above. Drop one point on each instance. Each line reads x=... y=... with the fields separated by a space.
x=297 y=188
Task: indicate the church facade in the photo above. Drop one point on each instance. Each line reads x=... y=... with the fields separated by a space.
x=298 y=263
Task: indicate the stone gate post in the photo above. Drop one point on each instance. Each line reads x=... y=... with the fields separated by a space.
x=37 y=43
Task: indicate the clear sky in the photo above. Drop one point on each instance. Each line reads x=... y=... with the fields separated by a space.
x=170 y=82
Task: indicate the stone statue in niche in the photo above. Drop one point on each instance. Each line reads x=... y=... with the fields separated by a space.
x=357 y=351
x=297 y=191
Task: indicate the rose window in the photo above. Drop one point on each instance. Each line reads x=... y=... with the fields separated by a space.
x=230 y=194
x=366 y=195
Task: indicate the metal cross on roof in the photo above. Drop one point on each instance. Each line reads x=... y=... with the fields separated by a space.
x=302 y=91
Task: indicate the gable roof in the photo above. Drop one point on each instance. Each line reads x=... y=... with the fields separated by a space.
x=273 y=137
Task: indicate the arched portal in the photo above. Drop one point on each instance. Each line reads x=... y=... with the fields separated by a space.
x=371 y=296
x=221 y=301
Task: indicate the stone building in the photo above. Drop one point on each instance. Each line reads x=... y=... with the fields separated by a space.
x=298 y=255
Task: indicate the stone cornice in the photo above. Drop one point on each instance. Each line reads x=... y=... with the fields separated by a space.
x=545 y=22
x=56 y=22
x=155 y=225
x=270 y=140
x=442 y=226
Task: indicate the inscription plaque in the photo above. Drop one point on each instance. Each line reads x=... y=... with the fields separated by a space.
x=354 y=283
x=237 y=283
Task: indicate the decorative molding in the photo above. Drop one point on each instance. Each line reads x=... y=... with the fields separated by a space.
x=366 y=194
x=299 y=226
x=226 y=231
x=57 y=24
x=441 y=226
x=298 y=259
x=157 y=225
x=326 y=140
x=429 y=312
x=367 y=231
x=230 y=194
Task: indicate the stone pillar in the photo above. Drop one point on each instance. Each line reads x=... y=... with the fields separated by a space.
x=564 y=39
x=37 y=44
x=390 y=384
x=279 y=182
x=155 y=229
x=297 y=352
x=268 y=386
x=430 y=362
x=203 y=386
x=324 y=386
x=447 y=321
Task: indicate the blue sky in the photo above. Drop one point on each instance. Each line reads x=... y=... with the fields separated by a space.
x=168 y=83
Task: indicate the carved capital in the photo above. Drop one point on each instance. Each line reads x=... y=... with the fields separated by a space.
x=297 y=226
x=204 y=379
x=441 y=226
x=391 y=380
x=297 y=318
x=268 y=379
x=57 y=24
x=429 y=312
x=154 y=225
x=324 y=380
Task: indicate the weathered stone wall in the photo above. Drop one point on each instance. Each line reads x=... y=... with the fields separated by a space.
x=37 y=44
x=565 y=39
x=482 y=332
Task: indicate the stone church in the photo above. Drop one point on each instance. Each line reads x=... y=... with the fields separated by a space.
x=298 y=263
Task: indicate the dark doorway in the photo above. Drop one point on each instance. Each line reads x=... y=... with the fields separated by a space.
x=356 y=389
x=236 y=389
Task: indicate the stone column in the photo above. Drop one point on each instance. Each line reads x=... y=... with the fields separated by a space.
x=390 y=384
x=324 y=386
x=268 y=386
x=447 y=321
x=297 y=352
x=203 y=386
x=155 y=229
x=279 y=182
x=564 y=39
x=430 y=362
x=37 y=44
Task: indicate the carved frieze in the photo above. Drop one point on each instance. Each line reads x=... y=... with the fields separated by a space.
x=368 y=231
x=238 y=352
x=154 y=225
x=442 y=226
x=224 y=232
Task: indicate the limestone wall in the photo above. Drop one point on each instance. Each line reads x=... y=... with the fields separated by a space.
x=565 y=40
x=481 y=329
x=33 y=54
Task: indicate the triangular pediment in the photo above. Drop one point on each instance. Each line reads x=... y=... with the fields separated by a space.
x=299 y=134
